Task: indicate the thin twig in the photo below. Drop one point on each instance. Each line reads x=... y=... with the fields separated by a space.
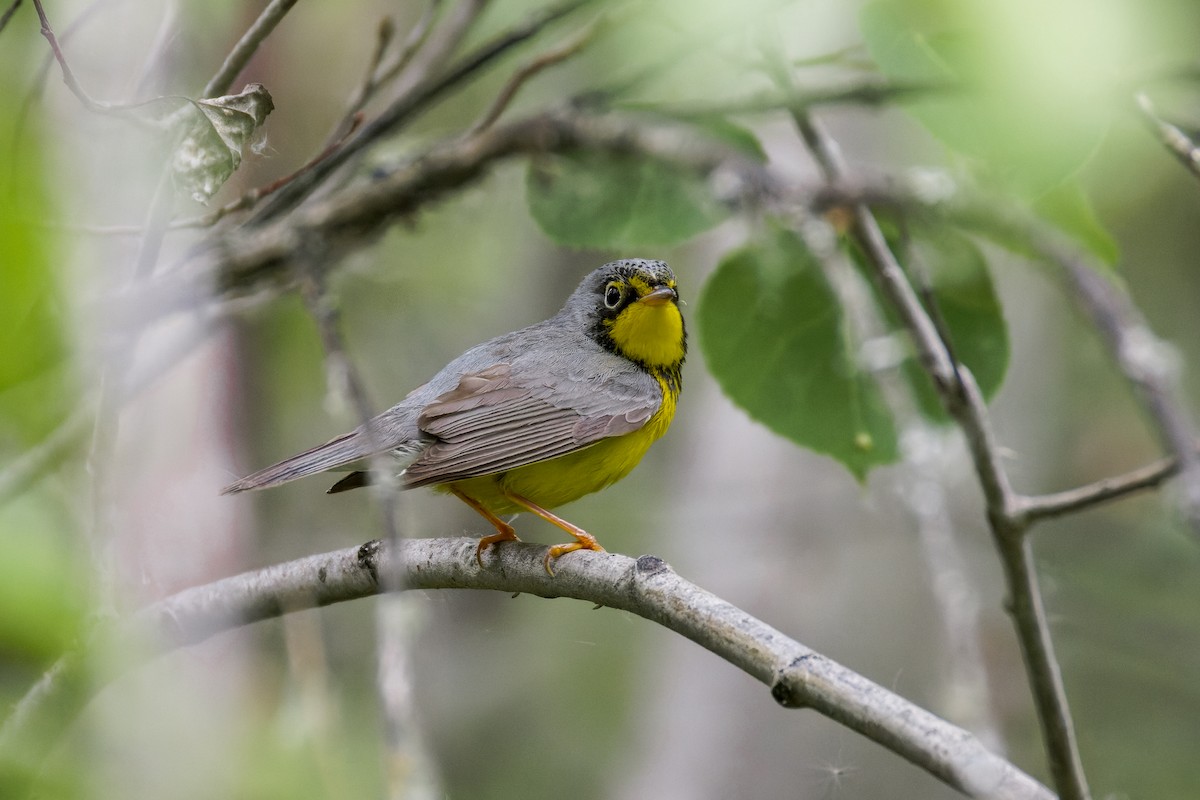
x=246 y=47
x=251 y=198
x=352 y=117
x=871 y=91
x=416 y=39
x=797 y=676
x=77 y=89
x=1048 y=506
x=68 y=76
x=1150 y=365
x=430 y=46
x=417 y=100
x=378 y=75
x=38 y=83
x=8 y=13
x=952 y=380
x=840 y=57
x=555 y=55
x=1185 y=150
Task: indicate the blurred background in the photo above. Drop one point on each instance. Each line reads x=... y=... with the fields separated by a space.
x=521 y=697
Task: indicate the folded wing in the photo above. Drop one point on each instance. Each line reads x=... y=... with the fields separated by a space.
x=495 y=421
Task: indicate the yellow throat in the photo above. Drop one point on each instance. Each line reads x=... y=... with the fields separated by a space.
x=650 y=332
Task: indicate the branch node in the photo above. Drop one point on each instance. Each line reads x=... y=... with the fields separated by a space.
x=652 y=565
x=783 y=688
x=368 y=558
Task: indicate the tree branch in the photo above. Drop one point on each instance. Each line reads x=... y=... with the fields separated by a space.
x=68 y=75
x=555 y=55
x=1150 y=365
x=870 y=91
x=416 y=100
x=8 y=14
x=246 y=47
x=964 y=402
x=797 y=676
x=1175 y=140
x=1048 y=506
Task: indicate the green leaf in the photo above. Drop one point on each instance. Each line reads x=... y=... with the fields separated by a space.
x=1067 y=206
x=741 y=139
x=214 y=134
x=1020 y=113
x=771 y=333
x=605 y=201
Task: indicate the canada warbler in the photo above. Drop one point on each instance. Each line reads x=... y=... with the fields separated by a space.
x=534 y=418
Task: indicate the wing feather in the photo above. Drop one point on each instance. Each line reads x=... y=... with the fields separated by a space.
x=498 y=419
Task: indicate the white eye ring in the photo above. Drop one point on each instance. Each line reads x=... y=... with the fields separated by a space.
x=613 y=295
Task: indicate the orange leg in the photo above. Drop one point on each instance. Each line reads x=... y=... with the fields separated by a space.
x=504 y=531
x=583 y=539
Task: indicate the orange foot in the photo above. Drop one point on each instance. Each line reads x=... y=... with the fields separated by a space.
x=583 y=539
x=502 y=534
x=504 y=531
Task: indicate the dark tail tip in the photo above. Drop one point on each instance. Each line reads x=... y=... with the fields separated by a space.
x=355 y=480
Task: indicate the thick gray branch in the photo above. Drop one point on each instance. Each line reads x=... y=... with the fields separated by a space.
x=797 y=676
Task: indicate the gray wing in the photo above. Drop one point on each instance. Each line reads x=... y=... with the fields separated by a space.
x=395 y=431
x=510 y=415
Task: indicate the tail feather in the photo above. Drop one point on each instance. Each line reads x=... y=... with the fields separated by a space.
x=342 y=451
x=355 y=480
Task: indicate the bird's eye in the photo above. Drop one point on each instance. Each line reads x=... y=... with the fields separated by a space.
x=613 y=295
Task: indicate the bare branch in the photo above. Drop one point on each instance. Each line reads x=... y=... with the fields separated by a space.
x=421 y=97
x=870 y=91
x=1048 y=506
x=246 y=47
x=1186 y=151
x=797 y=676
x=964 y=402
x=555 y=55
x=416 y=38
x=251 y=198
x=1150 y=365
x=8 y=13
x=351 y=119
x=68 y=76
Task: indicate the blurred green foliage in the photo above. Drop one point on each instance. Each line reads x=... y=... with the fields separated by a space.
x=618 y=202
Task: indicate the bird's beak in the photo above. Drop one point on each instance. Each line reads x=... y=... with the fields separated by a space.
x=663 y=294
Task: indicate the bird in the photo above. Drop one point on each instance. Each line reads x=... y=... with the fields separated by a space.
x=532 y=419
